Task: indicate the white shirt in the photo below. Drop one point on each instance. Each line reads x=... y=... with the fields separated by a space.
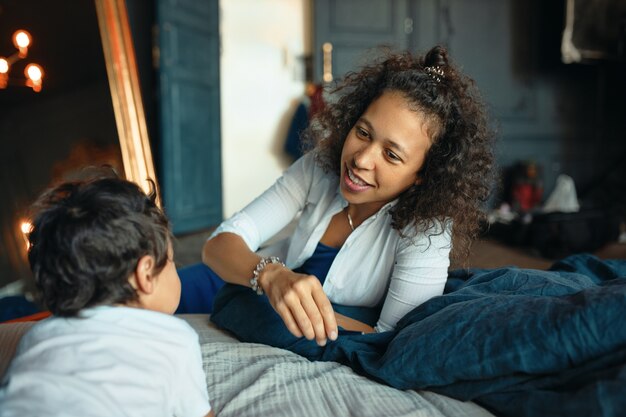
x=109 y=361
x=374 y=262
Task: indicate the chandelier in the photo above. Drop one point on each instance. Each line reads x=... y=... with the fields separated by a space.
x=33 y=73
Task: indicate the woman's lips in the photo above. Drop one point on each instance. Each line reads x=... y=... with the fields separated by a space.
x=353 y=182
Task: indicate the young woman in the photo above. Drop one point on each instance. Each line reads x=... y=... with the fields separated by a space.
x=400 y=167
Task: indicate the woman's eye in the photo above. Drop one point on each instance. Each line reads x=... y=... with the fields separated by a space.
x=392 y=156
x=362 y=132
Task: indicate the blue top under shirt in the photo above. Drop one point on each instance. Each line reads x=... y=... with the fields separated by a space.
x=319 y=264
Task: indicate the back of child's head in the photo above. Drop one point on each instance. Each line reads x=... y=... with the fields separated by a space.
x=87 y=238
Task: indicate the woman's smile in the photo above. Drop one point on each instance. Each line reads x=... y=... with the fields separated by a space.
x=353 y=182
x=383 y=152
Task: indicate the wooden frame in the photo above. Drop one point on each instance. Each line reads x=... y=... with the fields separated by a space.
x=119 y=55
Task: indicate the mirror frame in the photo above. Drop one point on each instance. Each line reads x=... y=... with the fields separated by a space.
x=121 y=65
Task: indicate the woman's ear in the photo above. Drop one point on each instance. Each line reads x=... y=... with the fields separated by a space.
x=144 y=278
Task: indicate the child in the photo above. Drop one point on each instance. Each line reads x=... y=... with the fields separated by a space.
x=101 y=254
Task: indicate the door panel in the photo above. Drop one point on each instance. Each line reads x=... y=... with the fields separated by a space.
x=544 y=114
x=354 y=27
x=502 y=62
x=190 y=113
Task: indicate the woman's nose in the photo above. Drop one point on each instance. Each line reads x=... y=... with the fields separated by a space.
x=364 y=158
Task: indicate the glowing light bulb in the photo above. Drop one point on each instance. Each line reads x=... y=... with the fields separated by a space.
x=21 y=39
x=34 y=72
x=4 y=66
x=26 y=227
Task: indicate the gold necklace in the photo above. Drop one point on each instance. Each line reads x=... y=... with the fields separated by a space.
x=350 y=220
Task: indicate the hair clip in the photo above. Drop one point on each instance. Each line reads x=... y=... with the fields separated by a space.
x=436 y=73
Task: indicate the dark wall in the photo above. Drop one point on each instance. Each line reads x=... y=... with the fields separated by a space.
x=71 y=121
x=568 y=119
x=41 y=144
x=141 y=17
x=50 y=135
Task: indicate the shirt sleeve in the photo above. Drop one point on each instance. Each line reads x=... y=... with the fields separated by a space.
x=193 y=398
x=270 y=212
x=419 y=273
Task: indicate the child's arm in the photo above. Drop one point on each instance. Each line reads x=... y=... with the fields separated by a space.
x=211 y=414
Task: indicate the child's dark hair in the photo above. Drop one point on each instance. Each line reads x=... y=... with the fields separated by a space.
x=458 y=169
x=87 y=238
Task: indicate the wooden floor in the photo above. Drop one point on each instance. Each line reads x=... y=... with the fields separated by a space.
x=485 y=253
x=187 y=248
x=488 y=253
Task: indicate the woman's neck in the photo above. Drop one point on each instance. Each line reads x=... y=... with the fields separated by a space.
x=358 y=213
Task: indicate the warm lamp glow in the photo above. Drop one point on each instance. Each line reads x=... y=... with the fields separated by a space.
x=21 y=39
x=34 y=72
x=26 y=227
x=4 y=66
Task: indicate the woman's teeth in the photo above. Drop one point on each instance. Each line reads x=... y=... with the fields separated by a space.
x=355 y=179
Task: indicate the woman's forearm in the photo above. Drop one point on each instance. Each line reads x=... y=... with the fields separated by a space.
x=298 y=298
x=351 y=324
x=229 y=257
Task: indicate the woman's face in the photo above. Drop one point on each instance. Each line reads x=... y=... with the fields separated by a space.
x=383 y=152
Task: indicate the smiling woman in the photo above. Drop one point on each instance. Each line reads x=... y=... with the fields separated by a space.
x=400 y=165
x=89 y=111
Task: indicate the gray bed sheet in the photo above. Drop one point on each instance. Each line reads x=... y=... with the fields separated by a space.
x=247 y=379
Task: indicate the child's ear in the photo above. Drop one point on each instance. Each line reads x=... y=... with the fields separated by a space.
x=144 y=277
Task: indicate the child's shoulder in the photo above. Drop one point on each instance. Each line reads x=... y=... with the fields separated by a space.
x=142 y=320
x=118 y=321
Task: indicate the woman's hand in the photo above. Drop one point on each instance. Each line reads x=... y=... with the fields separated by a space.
x=301 y=302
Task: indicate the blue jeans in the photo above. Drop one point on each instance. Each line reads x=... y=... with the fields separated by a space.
x=199 y=284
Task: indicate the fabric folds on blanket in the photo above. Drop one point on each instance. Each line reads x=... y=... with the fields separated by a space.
x=520 y=342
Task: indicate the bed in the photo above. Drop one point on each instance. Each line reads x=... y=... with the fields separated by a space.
x=249 y=379
x=518 y=342
x=505 y=342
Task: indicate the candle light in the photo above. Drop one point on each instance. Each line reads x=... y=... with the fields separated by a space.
x=21 y=40
x=34 y=75
x=26 y=228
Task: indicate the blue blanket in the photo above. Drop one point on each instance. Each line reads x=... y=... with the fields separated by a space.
x=519 y=342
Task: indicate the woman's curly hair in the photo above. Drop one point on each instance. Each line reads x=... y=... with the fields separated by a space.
x=457 y=171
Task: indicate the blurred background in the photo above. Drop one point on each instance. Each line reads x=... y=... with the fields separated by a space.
x=228 y=85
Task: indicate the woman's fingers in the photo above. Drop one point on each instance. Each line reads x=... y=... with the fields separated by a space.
x=327 y=313
x=315 y=319
x=302 y=320
x=319 y=314
x=304 y=307
x=285 y=313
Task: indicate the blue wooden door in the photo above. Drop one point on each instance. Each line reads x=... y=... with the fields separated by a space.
x=189 y=151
